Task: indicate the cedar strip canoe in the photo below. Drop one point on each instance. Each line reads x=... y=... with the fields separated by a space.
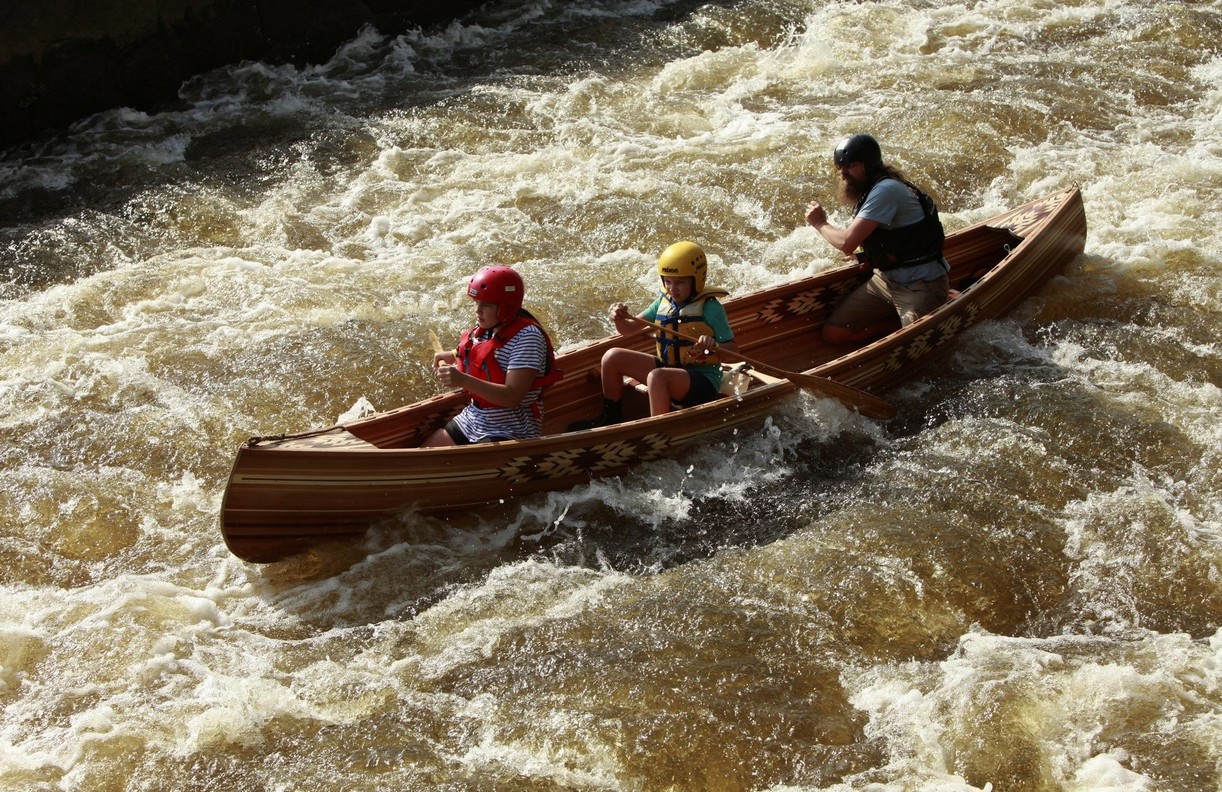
x=287 y=493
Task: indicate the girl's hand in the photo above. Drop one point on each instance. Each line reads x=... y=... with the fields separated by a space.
x=450 y=376
x=442 y=358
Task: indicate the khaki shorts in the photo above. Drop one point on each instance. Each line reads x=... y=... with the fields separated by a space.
x=879 y=298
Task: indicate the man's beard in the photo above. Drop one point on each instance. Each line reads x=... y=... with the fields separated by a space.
x=851 y=190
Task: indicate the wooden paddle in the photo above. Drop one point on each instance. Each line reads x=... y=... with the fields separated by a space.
x=437 y=347
x=865 y=403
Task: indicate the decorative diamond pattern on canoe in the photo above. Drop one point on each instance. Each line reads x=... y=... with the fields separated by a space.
x=953 y=324
x=802 y=303
x=1022 y=222
x=772 y=312
x=942 y=333
x=895 y=360
x=920 y=346
x=811 y=301
x=592 y=460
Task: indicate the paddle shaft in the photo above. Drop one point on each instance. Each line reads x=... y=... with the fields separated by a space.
x=865 y=403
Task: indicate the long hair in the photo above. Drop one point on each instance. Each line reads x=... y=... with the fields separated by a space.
x=851 y=192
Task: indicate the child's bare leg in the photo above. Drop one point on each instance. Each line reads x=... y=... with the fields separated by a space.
x=666 y=385
x=618 y=363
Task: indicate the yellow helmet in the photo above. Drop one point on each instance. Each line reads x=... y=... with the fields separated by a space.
x=684 y=259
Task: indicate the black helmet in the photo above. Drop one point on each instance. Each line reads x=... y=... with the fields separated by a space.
x=858 y=148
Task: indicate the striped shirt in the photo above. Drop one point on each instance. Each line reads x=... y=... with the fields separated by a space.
x=526 y=350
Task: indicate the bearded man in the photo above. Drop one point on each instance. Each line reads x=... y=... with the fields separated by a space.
x=897 y=228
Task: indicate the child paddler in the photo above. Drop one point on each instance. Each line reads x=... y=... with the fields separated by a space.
x=503 y=364
x=680 y=371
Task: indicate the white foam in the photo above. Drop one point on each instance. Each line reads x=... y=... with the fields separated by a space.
x=124 y=390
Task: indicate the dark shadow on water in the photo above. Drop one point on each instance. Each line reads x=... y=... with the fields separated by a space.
x=80 y=201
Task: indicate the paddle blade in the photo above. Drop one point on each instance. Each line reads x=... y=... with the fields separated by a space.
x=867 y=404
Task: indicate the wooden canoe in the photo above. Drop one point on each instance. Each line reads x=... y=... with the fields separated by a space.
x=288 y=492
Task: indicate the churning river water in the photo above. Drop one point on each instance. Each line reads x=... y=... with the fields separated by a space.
x=1014 y=585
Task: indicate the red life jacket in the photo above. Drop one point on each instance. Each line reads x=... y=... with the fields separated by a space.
x=477 y=359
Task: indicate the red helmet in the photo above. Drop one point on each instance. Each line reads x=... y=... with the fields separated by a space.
x=499 y=285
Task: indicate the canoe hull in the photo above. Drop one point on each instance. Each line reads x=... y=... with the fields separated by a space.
x=287 y=493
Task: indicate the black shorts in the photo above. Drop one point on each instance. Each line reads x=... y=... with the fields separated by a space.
x=699 y=389
x=461 y=439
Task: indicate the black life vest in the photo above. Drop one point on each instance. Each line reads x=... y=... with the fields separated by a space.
x=907 y=246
